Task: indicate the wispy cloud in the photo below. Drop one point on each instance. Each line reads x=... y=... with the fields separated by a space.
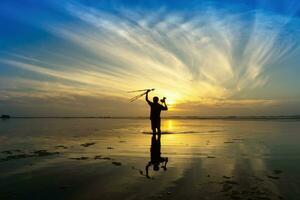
x=207 y=55
x=194 y=57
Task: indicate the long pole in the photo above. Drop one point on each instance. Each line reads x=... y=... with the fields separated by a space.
x=140 y=95
x=139 y=90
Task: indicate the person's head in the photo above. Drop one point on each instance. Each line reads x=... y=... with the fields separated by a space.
x=155 y=99
x=156 y=167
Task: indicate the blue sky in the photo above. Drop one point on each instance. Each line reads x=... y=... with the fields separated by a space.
x=207 y=57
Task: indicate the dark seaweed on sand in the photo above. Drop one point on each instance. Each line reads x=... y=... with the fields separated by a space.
x=11 y=151
x=61 y=146
x=38 y=153
x=88 y=144
x=273 y=177
x=211 y=157
x=80 y=158
x=99 y=157
x=41 y=153
x=14 y=157
x=117 y=163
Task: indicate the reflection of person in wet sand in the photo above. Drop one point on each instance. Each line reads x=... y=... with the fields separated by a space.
x=156 y=108
x=155 y=155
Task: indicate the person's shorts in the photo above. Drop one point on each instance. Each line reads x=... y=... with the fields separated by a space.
x=155 y=124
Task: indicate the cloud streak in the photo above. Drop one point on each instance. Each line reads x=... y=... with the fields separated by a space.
x=194 y=57
x=208 y=56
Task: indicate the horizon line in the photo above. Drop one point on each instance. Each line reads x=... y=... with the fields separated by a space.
x=297 y=116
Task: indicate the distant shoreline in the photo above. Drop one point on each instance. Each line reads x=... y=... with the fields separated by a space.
x=291 y=117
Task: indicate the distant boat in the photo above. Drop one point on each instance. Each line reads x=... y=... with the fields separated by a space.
x=5 y=116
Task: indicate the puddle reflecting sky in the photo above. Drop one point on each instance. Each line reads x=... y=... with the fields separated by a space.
x=74 y=158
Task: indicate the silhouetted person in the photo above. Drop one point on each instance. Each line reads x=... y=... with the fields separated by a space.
x=156 y=108
x=155 y=156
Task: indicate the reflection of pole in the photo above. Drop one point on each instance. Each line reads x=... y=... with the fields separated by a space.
x=140 y=95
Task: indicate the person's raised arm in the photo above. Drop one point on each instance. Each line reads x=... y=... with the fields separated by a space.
x=147 y=99
x=165 y=106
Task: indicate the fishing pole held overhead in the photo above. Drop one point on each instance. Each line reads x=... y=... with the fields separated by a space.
x=140 y=95
x=143 y=90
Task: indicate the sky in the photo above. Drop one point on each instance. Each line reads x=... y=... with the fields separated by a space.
x=208 y=58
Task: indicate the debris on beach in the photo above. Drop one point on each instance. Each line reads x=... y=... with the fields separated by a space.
x=228 y=142
x=38 y=153
x=211 y=157
x=80 y=158
x=116 y=163
x=110 y=148
x=230 y=182
x=7 y=152
x=18 y=156
x=61 y=146
x=238 y=139
x=41 y=153
x=11 y=151
x=273 y=177
x=88 y=144
x=99 y=157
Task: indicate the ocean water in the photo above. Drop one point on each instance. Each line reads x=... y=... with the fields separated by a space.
x=107 y=159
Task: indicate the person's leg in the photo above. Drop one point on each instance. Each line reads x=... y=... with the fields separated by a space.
x=158 y=128
x=153 y=126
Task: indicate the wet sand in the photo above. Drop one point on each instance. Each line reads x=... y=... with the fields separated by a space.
x=106 y=159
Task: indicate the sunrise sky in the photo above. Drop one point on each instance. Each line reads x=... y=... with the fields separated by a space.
x=78 y=58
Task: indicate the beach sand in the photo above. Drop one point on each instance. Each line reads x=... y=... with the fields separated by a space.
x=106 y=159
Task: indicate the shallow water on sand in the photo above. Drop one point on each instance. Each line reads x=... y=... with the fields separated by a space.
x=106 y=159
